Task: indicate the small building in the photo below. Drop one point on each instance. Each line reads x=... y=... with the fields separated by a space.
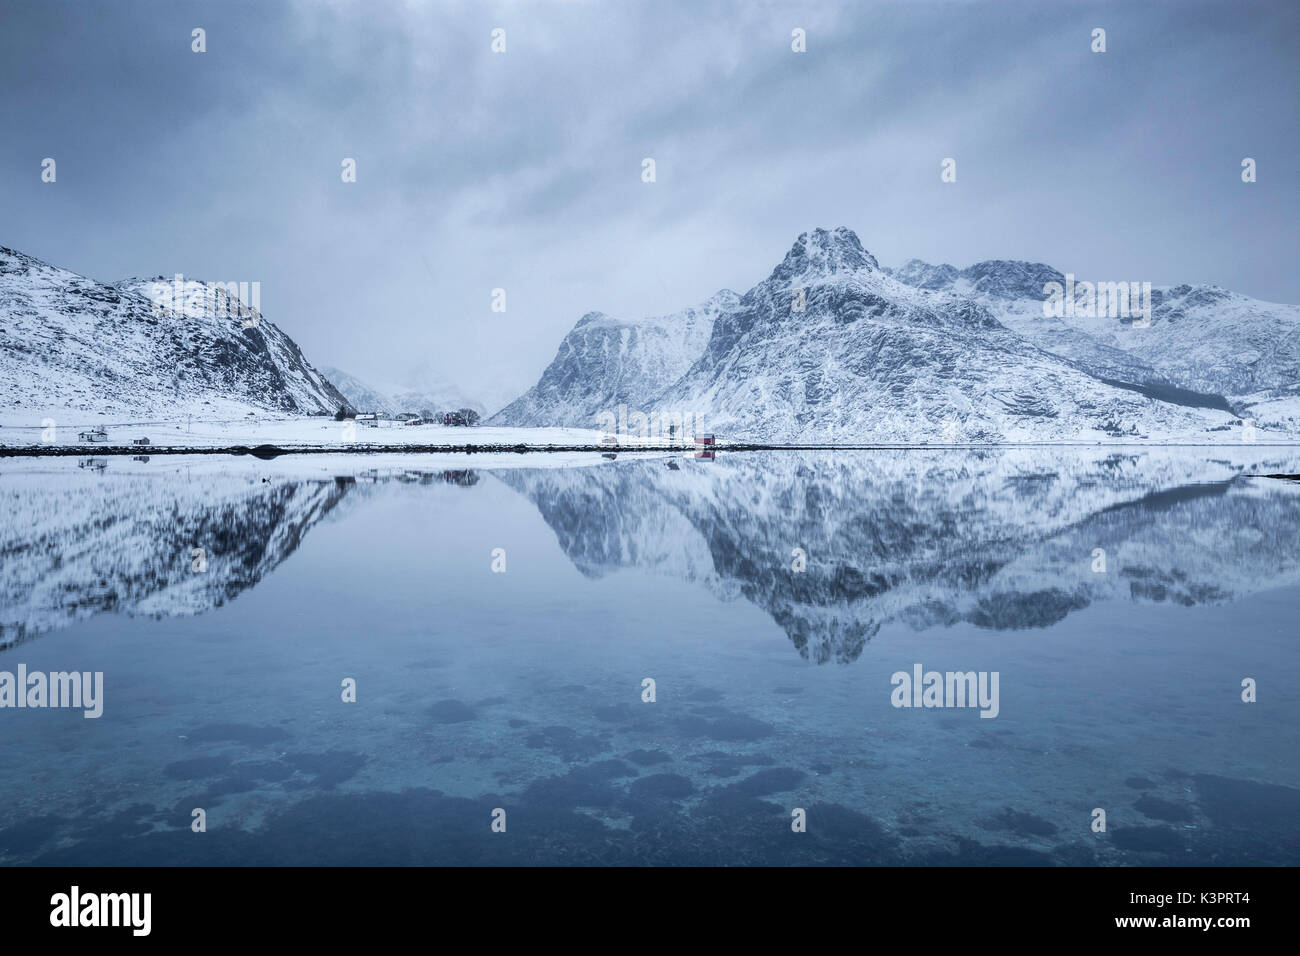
x=93 y=435
x=139 y=441
x=369 y=419
x=705 y=440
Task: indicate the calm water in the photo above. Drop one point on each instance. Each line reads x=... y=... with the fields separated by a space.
x=1119 y=689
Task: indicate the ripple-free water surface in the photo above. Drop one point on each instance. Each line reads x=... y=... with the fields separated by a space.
x=1119 y=689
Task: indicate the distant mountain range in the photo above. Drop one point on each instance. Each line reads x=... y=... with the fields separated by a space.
x=423 y=391
x=832 y=347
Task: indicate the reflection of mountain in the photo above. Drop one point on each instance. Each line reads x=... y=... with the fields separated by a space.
x=97 y=539
x=124 y=543
x=1001 y=540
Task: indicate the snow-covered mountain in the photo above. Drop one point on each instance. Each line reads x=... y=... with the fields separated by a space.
x=606 y=362
x=832 y=347
x=1201 y=338
x=361 y=396
x=68 y=342
x=422 y=390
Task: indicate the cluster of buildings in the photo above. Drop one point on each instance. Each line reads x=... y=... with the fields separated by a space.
x=462 y=416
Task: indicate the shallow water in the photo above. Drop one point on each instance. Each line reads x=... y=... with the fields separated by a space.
x=1119 y=689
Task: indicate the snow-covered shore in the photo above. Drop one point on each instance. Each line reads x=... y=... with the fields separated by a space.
x=59 y=432
x=284 y=432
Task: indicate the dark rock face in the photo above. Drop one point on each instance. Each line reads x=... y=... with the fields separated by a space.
x=1011 y=279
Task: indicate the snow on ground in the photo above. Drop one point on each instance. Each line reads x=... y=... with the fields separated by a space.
x=23 y=430
x=18 y=430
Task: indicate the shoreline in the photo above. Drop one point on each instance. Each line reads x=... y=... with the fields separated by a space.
x=276 y=451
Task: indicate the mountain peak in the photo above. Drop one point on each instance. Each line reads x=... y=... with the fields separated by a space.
x=1011 y=278
x=996 y=278
x=722 y=299
x=923 y=275
x=595 y=317
x=11 y=260
x=822 y=253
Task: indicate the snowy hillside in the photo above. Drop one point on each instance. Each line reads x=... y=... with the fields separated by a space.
x=68 y=342
x=605 y=362
x=1201 y=338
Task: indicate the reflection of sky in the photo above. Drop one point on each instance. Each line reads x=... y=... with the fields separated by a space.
x=522 y=170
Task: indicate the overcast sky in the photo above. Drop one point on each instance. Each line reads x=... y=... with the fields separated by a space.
x=522 y=170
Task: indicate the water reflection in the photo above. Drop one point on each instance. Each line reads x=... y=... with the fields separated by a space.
x=832 y=546
x=1003 y=540
x=1119 y=687
x=159 y=543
